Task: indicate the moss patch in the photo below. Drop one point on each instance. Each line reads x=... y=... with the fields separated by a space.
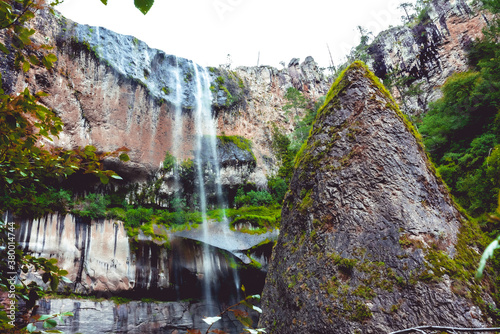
x=240 y=142
x=254 y=220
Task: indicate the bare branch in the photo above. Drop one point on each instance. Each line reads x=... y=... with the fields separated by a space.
x=422 y=329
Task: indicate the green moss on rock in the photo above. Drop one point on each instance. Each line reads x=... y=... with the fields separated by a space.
x=240 y=142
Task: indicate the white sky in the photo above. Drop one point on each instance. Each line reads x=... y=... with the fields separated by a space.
x=206 y=31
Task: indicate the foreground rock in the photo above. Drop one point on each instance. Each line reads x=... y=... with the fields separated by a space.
x=362 y=226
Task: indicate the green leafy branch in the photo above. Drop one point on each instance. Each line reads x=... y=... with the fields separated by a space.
x=143 y=5
x=49 y=322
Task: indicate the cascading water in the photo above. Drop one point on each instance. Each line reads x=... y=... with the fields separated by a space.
x=178 y=121
x=206 y=157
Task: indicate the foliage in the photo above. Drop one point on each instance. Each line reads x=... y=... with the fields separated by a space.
x=139 y=216
x=13 y=259
x=143 y=5
x=260 y=218
x=492 y=5
x=93 y=206
x=277 y=188
x=254 y=224
x=303 y=126
x=252 y=198
x=179 y=218
x=360 y=51
x=286 y=147
x=281 y=148
x=169 y=162
x=296 y=100
x=461 y=130
x=178 y=204
x=227 y=84
x=48 y=322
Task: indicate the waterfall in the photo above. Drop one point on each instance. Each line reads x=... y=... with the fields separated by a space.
x=207 y=161
x=177 y=137
x=205 y=127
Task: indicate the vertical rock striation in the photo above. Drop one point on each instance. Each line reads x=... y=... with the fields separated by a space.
x=363 y=211
x=420 y=56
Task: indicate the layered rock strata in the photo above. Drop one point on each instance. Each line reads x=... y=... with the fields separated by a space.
x=363 y=212
x=114 y=91
x=102 y=259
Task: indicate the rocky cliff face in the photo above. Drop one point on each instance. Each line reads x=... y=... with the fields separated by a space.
x=102 y=259
x=421 y=56
x=137 y=317
x=114 y=91
x=362 y=225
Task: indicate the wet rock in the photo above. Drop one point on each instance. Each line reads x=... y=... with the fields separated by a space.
x=134 y=317
x=363 y=210
x=101 y=259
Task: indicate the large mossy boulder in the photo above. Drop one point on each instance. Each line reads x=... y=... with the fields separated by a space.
x=370 y=240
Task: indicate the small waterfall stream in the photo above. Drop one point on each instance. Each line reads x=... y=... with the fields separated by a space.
x=177 y=135
x=207 y=163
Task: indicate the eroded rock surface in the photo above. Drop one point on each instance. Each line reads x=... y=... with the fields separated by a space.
x=422 y=56
x=135 y=317
x=114 y=91
x=363 y=210
x=102 y=259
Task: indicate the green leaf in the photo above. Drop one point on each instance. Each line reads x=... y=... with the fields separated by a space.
x=488 y=252
x=51 y=323
x=34 y=60
x=45 y=317
x=51 y=57
x=48 y=61
x=26 y=66
x=254 y=297
x=66 y=280
x=143 y=5
x=53 y=331
x=258 y=309
x=31 y=328
x=104 y=2
x=4 y=49
x=124 y=157
x=104 y=179
x=9 y=181
x=54 y=283
x=68 y=314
